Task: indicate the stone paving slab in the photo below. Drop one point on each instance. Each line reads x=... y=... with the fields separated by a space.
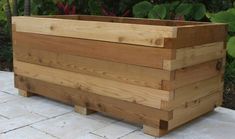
x=4 y=97
x=40 y=118
x=37 y=105
x=18 y=122
x=26 y=133
x=115 y=130
x=70 y=125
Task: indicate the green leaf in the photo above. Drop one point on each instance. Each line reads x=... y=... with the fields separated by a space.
x=2 y=16
x=168 y=11
x=224 y=17
x=174 y=5
x=158 y=12
x=142 y=9
x=94 y=7
x=199 y=11
x=184 y=9
x=231 y=46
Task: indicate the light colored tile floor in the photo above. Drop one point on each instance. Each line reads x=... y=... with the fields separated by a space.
x=115 y=130
x=4 y=97
x=39 y=118
x=26 y=133
x=35 y=104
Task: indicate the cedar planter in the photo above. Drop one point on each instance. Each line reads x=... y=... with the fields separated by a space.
x=160 y=74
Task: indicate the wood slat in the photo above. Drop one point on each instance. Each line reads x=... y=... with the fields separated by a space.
x=122 y=53
x=194 y=91
x=114 y=107
x=194 y=110
x=193 y=35
x=147 y=35
x=126 y=20
x=193 y=74
x=153 y=131
x=132 y=74
x=135 y=94
x=195 y=55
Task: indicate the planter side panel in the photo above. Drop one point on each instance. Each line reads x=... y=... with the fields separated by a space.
x=148 y=35
x=113 y=107
x=110 y=88
x=116 y=52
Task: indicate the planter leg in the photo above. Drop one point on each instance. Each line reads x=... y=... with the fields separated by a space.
x=153 y=131
x=83 y=110
x=25 y=93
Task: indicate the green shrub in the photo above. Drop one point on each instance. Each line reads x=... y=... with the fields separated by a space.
x=231 y=46
x=142 y=9
x=158 y=12
x=229 y=18
x=6 y=57
x=170 y=10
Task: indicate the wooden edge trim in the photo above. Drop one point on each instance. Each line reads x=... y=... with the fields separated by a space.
x=125 y=20
x=146 y=35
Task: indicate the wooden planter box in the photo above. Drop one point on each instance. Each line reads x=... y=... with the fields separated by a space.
x=160 y=74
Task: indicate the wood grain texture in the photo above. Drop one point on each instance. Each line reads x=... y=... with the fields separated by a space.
x=126 y=20
x=83 y=110
x=24 y=93
x=192 y=35
x=154 y=131
x=195 y=55
x=161 y=74
x=193 y=74
x=132 y=74
x=194 y=91
x=193 y=110
x=110 y=106
x=136 y=94
x=147 y=35
x=116 y=52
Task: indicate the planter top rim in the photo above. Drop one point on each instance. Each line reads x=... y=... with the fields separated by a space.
x=129 y=20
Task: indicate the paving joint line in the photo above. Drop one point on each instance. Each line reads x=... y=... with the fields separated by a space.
x=98 y=135
x=14 y=129
x=44 y=132
x=4 y=116
x=103 y=126
x=48 y=118
x=128 y=134
x=4 y=91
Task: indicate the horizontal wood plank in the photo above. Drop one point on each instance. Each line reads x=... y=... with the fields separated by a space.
x=126 y=20
x=147 y=35
x=135 y=94
x=122 y=53
x=193 y=35
x=195 y=55
x=194 y=110
x=194 y=91
x=132 y=74
x=114 y=107
x=193 y=74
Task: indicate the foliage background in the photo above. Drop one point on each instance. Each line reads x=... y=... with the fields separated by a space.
x=199 y=10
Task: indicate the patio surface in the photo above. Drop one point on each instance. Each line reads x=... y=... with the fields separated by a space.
x=39 y=118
